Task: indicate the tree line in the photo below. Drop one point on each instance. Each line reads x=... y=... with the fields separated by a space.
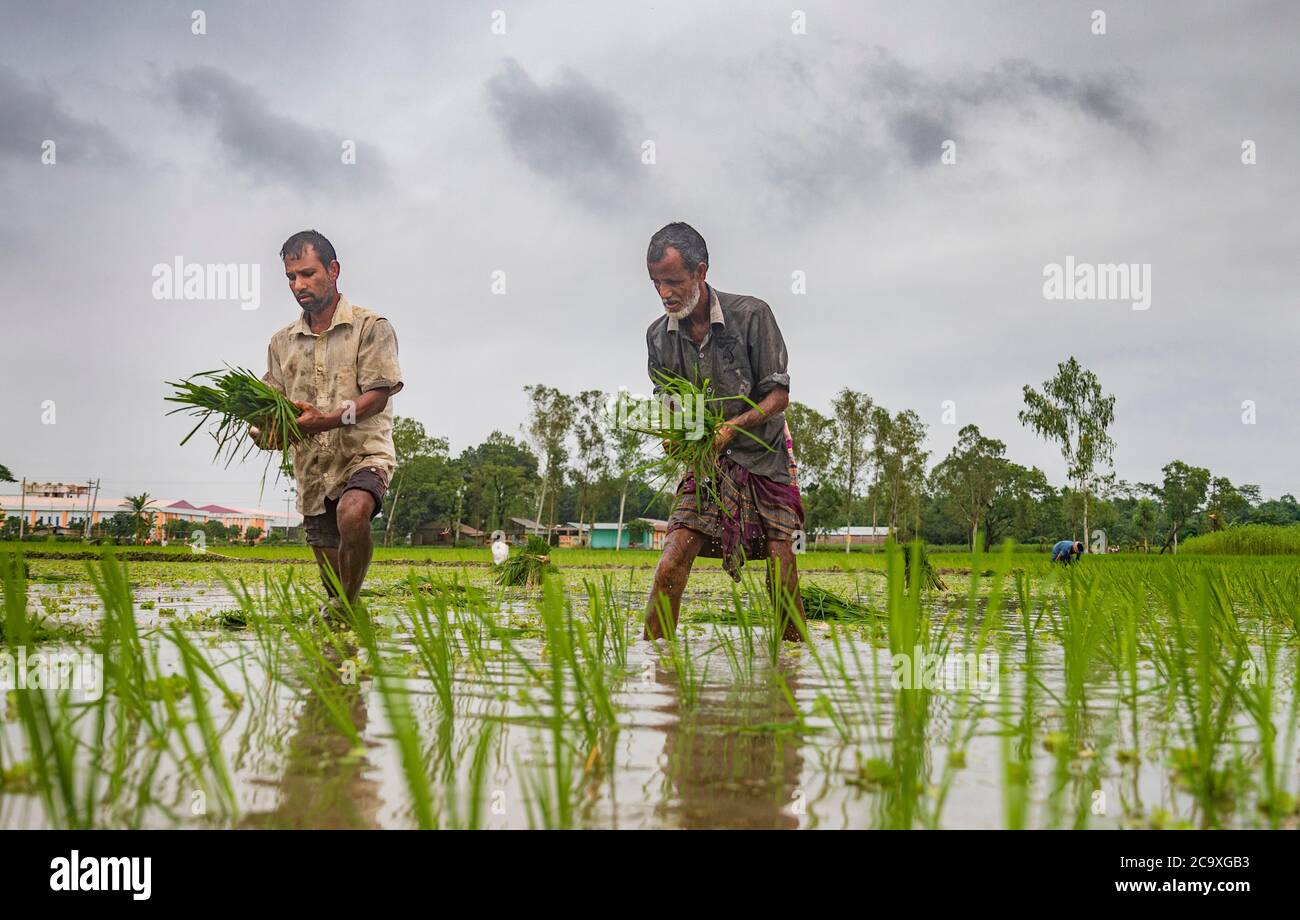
x=859 y=464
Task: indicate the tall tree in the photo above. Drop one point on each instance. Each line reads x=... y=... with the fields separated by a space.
x=5 y=475
x=1182 y=493
x=592 y=434
x=853 y=426
x=550 y=420
x=627 y=456
x=1020 y=504
x=501 y=473
x=410 y=442
x=880 y=426
x=967 y=480
x=1072 y=412
x=815 y=437
x=1227 y=504
x=904 y=469
x=1145 y=515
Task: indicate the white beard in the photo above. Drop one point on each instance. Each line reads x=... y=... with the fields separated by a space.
x=687 y=307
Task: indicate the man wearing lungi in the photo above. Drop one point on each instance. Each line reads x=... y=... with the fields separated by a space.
x=754 y=509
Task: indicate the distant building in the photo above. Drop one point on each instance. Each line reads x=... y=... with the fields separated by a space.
x=443 y=533
x=67 y=512
x=571 y=534
x=840 y=536
x=641 y=533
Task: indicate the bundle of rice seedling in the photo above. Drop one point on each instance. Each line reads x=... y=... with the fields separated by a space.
x=233 y=401
x=683 y=418
x=526 y=567
x=930 y=579
x=820 y=604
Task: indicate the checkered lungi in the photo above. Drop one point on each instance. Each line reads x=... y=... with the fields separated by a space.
x=738 y=515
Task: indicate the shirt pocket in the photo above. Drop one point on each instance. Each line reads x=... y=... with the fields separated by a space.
x=731 y=360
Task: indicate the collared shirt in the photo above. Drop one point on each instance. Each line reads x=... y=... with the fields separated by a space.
x=356 y=354
x=742 y=354
x=1063 y=550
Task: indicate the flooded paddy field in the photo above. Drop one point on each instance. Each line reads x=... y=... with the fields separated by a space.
x=1122 y=692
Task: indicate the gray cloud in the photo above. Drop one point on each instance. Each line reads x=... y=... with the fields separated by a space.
x=31 y=114
x=572 y=132
x=846 y=147
x=267 y=145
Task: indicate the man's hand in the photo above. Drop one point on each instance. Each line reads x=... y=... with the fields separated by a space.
x=722 y=437
x=263 y=440
x=313 y=422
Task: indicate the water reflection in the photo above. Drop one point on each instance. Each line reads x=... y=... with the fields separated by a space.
x=733 y=760
x=325 y=782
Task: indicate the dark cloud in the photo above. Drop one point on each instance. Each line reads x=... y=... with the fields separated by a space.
x=31 y=114
x=894 y=106
x=572 y=132
x=270 y=146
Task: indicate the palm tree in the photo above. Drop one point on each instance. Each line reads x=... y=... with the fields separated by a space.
x=144 y=518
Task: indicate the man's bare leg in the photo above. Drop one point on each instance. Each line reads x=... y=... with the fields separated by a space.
x=353 y=514
x=327 y=558
x=780 y=555
x=680 y=550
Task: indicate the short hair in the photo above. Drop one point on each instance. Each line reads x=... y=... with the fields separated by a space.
x=295 y=245
x=685 y=239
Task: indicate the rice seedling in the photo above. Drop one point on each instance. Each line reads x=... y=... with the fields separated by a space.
x=675 y=651
x=232 y=401
x=527 y=567
x=683 y=420
x=821 y=604
x=1201 y=657
x=1246 y=540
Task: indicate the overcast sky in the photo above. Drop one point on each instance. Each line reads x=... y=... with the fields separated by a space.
x=523 y=153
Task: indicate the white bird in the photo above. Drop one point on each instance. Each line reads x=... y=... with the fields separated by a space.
x=500 y=552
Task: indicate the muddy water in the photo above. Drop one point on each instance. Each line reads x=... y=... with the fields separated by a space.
x=735 y=755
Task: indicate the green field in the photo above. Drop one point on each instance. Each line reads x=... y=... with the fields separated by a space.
x=1127 y=691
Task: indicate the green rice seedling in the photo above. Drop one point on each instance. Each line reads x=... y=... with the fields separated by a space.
x=1246 y=540
x=967 y=710
x=608 y=621
x=821 y=604
x=466 y=811
x=675 y=651
x=431 y=633
x=683 y=419
x=527 y=567
x=1258 y=689
x=51 y=747
x=1201 y=657
x=212 y=759
x=232 y=401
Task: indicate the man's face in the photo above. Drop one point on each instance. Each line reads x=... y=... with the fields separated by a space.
x=310 y=280
x=679 y=289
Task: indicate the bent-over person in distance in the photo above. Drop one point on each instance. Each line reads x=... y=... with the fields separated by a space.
x=1066 y=551
x=754 y=510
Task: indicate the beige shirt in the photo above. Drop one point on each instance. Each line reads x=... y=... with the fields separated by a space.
x=357 y=353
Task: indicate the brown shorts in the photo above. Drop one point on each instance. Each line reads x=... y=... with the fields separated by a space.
x=323 y=529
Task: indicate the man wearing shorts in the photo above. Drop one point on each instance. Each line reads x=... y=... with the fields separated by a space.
x=753 y=510
x=337 y=362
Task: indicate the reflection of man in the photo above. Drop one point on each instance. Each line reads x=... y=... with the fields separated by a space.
x=1066 y=551
x=733 y=342
x=337 y=362
x=722 y=775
